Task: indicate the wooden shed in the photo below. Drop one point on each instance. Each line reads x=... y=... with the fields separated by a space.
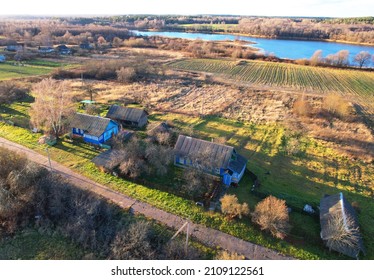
x=108 y=160
x=335 y=208
x=93 y=129
x=128 y=116
x=214 y=158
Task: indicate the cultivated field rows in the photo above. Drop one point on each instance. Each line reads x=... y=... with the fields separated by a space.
x=309 y=79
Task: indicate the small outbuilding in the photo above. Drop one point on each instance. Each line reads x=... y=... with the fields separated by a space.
x=213 y=158
x=93 y=129
x=128 y=116
x=339 y=226
x=108 y=160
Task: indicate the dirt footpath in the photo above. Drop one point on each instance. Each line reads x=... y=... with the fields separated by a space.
x=208 y=236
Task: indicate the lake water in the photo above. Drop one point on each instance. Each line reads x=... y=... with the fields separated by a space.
x=293 y=49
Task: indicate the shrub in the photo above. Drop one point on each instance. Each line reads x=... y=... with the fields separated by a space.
x=302 y=107
x=271 y=214
x=336 y=105
x=224 y=255
x=92 y=109
x=231 y=207
x=126 y=75
x=11 y=91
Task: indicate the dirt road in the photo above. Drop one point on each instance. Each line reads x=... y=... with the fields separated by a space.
x=208 y=236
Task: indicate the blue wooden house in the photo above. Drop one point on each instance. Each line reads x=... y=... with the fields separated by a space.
x=213 y=158
x=95 y=130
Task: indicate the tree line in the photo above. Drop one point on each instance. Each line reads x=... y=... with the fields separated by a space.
x=31 y=196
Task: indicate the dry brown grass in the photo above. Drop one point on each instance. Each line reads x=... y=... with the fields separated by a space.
x=190 y=94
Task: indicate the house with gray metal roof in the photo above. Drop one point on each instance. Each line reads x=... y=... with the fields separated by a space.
x=93 y=129
x=339 y=226
x=128 y=116
x=213 y=158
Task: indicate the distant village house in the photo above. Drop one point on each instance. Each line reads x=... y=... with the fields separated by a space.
x=46 y=50
x=128 y=116
x=13 y=48
x=93 y=129
x=222 y=160
x=63 y=50
x=86 y=46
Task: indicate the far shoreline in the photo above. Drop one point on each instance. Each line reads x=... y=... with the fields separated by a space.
x=259 y=36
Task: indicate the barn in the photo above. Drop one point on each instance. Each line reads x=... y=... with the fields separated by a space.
x=93 y=129
x=128 y=116
x=337 y=214
x=213 y=158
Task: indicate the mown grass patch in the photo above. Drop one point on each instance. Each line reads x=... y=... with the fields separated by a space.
x=11 y=69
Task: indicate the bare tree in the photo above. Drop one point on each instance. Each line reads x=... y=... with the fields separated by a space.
x=159 y=158
x=90 y=89
x=231 y=207
x=52 y=106
x=362 y=58
x=117 y=42
x=197 y=183
x=316 y=58
x=126 y=74
x=271 y=214
x=342 y=58
x=134 y=243
x=175 y=250
x=342 y=233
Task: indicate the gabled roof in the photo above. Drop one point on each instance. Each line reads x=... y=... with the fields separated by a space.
x=219 y=155
x=157 y=127
x=125 y=113
x=337 y=205
x=92 y=125
x=238 y=164
x=108 y=159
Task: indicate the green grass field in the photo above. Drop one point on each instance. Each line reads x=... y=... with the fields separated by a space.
x=9 y=70
x=305 y=78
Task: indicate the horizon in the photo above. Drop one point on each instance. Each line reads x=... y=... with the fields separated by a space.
x=270 y=8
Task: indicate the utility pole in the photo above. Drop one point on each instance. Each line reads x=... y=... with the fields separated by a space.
x=186 y=224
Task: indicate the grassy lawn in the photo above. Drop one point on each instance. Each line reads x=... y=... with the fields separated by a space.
x=32 y=245
x=9 y=70
x=294 y=178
